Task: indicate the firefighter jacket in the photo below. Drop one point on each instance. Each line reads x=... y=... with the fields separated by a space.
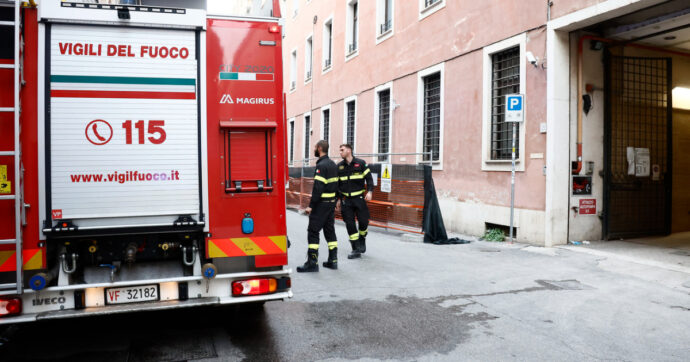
x=325 y=181
x=351 y=178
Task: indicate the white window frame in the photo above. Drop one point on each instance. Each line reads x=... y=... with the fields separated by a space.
x=307 y=155
x=295 y=8
x=324 y=46
x=487 y=163
x=308 y=53
x=388 y=86
x=354 y=131
x=330 y=121
x=424 y=11
x=293 y=71
x=380 y=16
x=438 y=68
x=291 y=143
x=349 y=14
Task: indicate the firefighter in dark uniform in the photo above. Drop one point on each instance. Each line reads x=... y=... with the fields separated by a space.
x=352 y=175
x=321 y=211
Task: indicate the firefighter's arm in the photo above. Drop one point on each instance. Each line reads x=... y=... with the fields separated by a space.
x=368 y=178
x=319 y=186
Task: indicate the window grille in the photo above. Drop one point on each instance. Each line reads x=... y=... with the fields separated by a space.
x=307 y=133
x=432 y=117
x=384 y=123
x=350 y=134
x=292 y=141
x=326 y=124
x=505 y=79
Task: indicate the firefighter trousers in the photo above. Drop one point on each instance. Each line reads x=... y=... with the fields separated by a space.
x=351 y=208
x=322 y=217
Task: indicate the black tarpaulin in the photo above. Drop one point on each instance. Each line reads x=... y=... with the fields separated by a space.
x=432 y=223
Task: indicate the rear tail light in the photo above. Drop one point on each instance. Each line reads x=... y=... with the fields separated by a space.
x=254 y=287
x=10 y=306
x=274 y=29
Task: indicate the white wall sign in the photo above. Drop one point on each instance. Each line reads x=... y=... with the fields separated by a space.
x=386 y=177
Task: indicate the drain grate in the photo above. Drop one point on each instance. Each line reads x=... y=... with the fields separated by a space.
x=180 y=347
x=564 y=285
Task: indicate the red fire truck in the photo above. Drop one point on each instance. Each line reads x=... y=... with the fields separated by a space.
x=142 y=157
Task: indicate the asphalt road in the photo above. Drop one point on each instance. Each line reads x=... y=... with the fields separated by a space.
x=407 y=301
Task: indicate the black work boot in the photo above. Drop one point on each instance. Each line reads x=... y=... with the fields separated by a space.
x=362 y=244
x=312 y=262
x=332 y=262
x=355 y=250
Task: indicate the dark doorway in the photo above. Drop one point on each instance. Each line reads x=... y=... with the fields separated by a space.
x=637 y=151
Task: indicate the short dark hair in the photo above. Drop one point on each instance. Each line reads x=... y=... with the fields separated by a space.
x=323 y=144
x=347 y=145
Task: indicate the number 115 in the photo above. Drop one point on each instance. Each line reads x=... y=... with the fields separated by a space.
x=155 y=127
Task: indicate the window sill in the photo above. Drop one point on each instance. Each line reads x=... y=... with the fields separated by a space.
x=503 y=165
x=327 y=69
x=385 y=35
x=307 y=81
x=432 y=9
x=352 y=55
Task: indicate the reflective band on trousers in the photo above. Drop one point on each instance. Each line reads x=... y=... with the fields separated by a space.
x=314 y=246
x=354 y=237
x=356 y=193
x=363 y=232
x=324 y=180
x=328 y=195
x=332 y=245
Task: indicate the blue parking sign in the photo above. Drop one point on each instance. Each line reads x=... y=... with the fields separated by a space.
x=514 y=108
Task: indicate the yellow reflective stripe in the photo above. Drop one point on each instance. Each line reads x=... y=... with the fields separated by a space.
x=314 y=246
x=343 y=178
x=327 y=195
x=356 y=177
x=366 y=172
x=332 y=245
x=325 y=180
x=354 y=236
x=362 y=232
x=357 y=193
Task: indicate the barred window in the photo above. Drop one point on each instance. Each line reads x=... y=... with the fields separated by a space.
x=292 y=141
x=384 y=123
x=307 y=132
x=326 y=124
x=432 y=117
x=505 y=79
x=350 y=134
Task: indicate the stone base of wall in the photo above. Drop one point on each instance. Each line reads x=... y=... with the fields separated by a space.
x=470 y=218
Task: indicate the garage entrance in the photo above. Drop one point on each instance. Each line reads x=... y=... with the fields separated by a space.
x=631 y=118
x=638 y=146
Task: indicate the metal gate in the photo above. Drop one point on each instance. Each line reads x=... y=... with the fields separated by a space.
x=637 y=152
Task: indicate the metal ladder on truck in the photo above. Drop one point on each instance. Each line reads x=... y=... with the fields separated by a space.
x=16 y=195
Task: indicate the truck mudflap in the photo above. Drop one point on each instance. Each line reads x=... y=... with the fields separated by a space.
x=86 y=300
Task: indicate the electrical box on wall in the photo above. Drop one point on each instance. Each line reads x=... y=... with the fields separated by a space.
x=582 y=185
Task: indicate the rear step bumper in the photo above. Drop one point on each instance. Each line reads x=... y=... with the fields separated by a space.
x=200 y=295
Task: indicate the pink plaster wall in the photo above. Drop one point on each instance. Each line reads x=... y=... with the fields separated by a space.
x=454 y=35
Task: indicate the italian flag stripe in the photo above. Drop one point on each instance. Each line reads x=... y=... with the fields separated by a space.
x=121 y=80
x=120 y=94
x=247 y=76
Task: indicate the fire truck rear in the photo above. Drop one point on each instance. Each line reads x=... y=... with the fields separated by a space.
x=142 y=157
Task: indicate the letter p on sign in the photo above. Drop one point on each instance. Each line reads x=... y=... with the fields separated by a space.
x=515 y=108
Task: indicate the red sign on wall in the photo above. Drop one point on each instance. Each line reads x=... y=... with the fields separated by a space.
x=588 y=206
